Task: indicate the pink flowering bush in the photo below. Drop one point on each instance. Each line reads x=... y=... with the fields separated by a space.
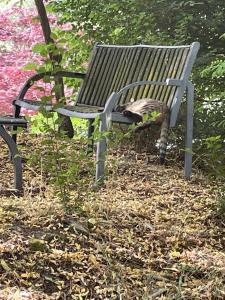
x=19 y=32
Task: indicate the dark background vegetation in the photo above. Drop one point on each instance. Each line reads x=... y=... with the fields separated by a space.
x=166 y=22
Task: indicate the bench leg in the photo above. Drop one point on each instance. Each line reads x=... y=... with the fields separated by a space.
x=17 y=110
x=101 y=151
x=90 y=137
x=16 y=159
x=189 y=132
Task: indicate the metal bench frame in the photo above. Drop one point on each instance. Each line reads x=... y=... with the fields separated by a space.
x=14 y=153
x=104 y=107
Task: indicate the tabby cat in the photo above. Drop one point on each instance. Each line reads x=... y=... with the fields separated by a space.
x=137 y=109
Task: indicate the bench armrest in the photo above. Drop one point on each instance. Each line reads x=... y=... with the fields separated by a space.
x=168 y=81
x=40 y=76
x=114 y=97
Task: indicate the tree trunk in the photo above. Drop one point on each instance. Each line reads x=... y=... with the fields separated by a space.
x=65 y=122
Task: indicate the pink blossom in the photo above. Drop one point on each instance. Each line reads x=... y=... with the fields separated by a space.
x=19 y=33
x=67 y=26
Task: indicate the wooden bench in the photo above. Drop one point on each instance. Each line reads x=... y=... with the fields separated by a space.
x=118 y=73
x=14 y=153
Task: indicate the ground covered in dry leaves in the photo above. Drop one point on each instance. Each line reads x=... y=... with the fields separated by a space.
x=147 y=234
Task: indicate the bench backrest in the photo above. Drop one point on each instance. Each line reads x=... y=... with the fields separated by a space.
x=113 y=67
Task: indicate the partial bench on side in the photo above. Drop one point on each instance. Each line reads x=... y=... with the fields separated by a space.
x=16 y=158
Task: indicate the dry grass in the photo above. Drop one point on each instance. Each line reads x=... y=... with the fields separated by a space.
x=148 y=234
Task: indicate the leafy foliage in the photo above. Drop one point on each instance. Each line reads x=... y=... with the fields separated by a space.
x=63 y=172
x=108 y=22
